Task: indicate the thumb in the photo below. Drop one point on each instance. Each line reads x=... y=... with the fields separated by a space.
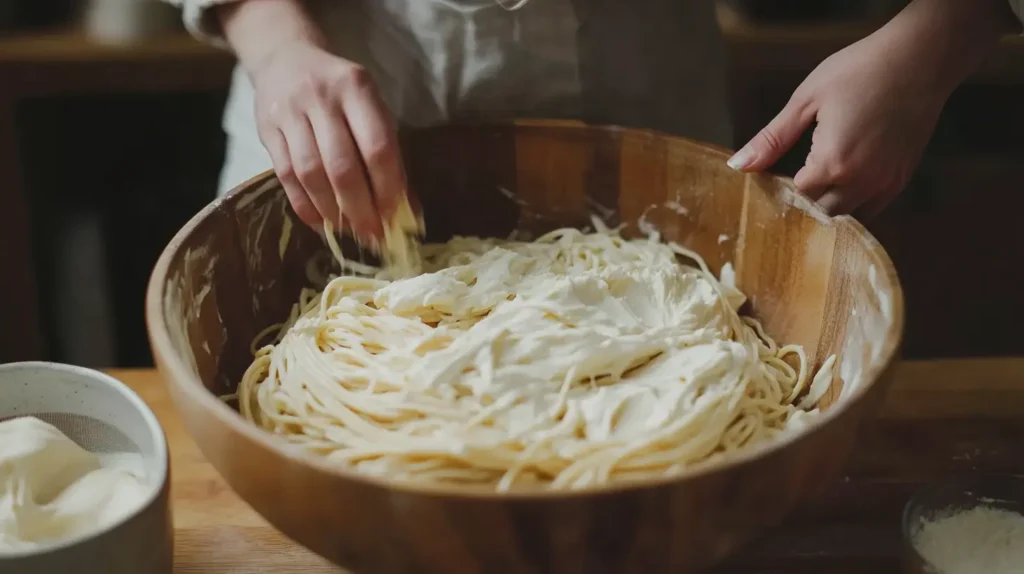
x=773 y=140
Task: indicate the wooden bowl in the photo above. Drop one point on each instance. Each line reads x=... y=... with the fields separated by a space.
x=823 y=283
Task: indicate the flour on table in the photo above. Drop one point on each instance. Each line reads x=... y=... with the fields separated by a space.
x=981 y=540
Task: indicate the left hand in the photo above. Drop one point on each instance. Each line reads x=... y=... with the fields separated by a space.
x=874 y=113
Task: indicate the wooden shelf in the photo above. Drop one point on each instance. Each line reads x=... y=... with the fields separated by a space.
x=68 y=61
x=753 y=46
x=71 y=45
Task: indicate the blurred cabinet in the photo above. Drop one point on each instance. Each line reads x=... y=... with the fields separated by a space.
x=131 y=170
x=958 y=251
x=66 y=64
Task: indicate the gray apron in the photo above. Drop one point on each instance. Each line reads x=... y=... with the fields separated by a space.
x=644 y=63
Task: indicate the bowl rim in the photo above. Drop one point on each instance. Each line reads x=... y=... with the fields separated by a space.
x=266 y=181
x=161 y=454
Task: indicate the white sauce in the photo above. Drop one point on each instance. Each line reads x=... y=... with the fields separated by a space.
x=51 y=489
x=576 y=359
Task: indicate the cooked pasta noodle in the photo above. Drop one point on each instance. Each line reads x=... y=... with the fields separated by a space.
x=571 y=361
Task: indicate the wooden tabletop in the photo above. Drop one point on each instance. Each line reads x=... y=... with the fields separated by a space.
x=941 y=417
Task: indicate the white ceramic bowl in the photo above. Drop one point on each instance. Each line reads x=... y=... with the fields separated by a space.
x=103 y=415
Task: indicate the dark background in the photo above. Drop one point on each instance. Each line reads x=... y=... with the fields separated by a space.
x=105 y=151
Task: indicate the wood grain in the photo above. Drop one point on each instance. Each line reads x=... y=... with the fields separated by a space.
x=926 y=431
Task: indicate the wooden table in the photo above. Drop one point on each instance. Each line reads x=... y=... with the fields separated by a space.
x=941 y=417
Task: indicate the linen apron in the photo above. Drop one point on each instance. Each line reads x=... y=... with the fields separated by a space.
x=641 y=63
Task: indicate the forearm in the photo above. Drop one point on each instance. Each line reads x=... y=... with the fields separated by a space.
x=255 y=29
x=947 y=39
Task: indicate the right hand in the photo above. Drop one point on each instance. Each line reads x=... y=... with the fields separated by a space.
x=331 y=139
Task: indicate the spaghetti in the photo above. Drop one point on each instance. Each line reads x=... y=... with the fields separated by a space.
x=575 y=360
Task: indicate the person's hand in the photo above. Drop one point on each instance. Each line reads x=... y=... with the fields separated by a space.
x=331 y=139
x=875 y=113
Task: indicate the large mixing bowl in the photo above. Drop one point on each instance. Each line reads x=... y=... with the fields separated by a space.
x=824 y=283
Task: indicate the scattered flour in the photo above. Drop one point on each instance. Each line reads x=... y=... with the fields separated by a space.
x=982 y=540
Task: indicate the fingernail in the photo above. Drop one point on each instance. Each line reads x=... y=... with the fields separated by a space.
x=742 y=159
x=387 y=208
x=368 y=243
x=368 y=234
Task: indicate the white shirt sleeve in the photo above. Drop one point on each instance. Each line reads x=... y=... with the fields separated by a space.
x=1018 y=8
x=200 y=20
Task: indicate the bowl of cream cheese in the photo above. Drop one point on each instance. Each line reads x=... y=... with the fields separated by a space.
x=84 y=473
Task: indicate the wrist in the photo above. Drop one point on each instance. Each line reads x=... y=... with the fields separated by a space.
x=259 y=29
x=941 y=42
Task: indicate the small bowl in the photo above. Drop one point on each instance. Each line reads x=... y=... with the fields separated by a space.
x=1003 y=491
x=101 y=414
